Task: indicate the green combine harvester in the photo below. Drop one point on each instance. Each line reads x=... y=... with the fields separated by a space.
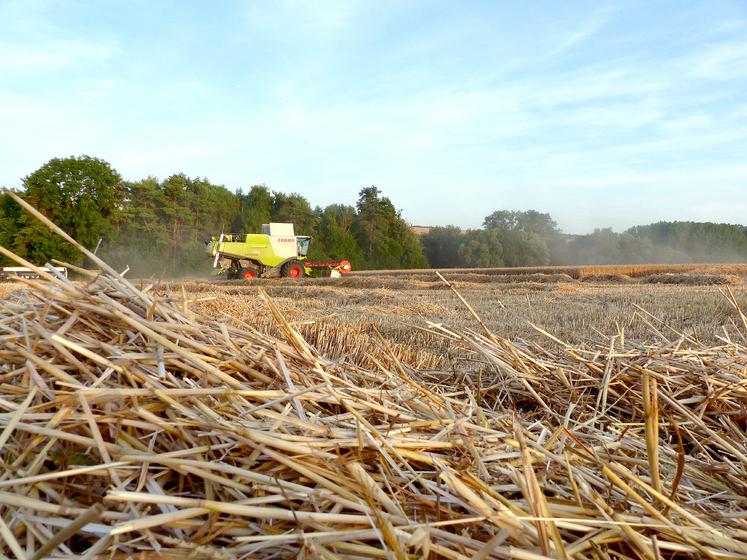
x=275 y=253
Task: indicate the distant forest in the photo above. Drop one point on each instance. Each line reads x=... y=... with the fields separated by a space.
x=160 y=227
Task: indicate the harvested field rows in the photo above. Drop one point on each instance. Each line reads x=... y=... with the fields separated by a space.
x=132 y=424
x=338 y=316
x=578 y=272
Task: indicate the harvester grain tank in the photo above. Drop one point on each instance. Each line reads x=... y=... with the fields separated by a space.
x=276 y=252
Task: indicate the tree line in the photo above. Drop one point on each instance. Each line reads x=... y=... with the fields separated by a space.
x=532 y=238
x=160 y=227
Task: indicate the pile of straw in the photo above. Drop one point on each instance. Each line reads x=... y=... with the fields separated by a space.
x=132 y=427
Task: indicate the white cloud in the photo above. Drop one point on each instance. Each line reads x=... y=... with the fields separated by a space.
x=290 y=20
x=721 y=62
x=687 y=124
x=32 y=39
x=590 y=27
x=52 y=54
x=739 y=112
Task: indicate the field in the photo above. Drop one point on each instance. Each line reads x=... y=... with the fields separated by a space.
x=588 y=271
x=535 y=414
x=338 y=316
x=414 y=310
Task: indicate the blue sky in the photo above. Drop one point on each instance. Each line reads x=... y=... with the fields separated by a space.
x=602 y=114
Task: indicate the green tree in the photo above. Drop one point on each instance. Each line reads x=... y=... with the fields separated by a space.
x=521 y=248
x=79 y=194
x=223 y=207
x=441 y=247
x=526 y=237
x=254 y=209
x=529 y=221
x=294 y=209
x=697 y=241
x=162 y=227
x=410 y=250
x=386 y=239
x=142 y=241
x=10 y=214
x=482 y=248
x=635 y=249
x=335 y=239
x=371 y=218
x=602 y=246
x=177 y=213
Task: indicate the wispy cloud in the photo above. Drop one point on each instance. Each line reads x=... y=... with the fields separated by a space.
x=721 y=62
x=291 y=20
x=588 y=28
x=52 y=54
x=31 y=41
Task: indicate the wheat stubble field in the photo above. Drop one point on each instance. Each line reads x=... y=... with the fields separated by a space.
x=530 y=416
x=340 y=316
x=414 y=311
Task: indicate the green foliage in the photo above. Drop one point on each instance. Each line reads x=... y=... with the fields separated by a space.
x=335 y=239
x=81 y=195
x=530 y=221
x=254 y=209
x=526 y=237
x=386 y=239
x=522 y=248
x=482 y=248
x=701 y=242
x=159 y=227
x=604 y=246
x=441 y=247
x=533 y=239
x=371 y=219
x=295 y=209
x=9 y=218
x=142 y=237
x=405 y=250
x=599 y=247
x=162 y=227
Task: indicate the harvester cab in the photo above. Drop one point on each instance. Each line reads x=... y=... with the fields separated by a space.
x=276 y=252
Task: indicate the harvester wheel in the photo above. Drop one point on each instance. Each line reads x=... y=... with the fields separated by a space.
x=292 y=269
x=248 y=273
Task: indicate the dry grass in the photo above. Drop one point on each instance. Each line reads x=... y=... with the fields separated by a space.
x=577 y=312
x=134 y=425
x=8 y=289
x=577 y=272
x=608 y=278
x=692 y=279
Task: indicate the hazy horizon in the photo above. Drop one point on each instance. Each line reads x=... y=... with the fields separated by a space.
x=609 y=114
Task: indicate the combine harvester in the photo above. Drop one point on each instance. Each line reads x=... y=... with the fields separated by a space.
x=275 y=253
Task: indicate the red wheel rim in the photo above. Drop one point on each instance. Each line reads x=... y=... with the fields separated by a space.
x=345 y=267
x=295 y=272
x=248 y=275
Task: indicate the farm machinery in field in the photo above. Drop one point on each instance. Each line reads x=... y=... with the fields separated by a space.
x=275 y=253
